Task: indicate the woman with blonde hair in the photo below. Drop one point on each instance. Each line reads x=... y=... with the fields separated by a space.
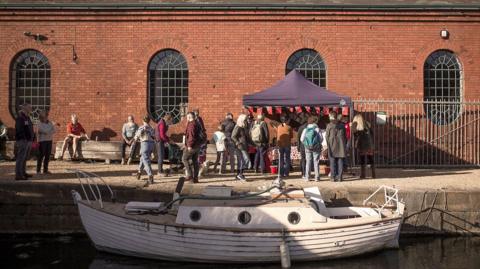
x=363 y=136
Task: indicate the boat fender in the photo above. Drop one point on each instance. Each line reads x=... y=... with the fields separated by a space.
x=147 y=224
x=76 y=196
x=285 y=255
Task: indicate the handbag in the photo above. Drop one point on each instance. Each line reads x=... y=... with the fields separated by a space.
x=35 y=145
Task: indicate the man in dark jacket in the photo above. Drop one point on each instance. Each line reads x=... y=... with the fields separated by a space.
x=260 y=137
x=228 y=125
x=336 y=142
x=192 y=146
x=24 y=137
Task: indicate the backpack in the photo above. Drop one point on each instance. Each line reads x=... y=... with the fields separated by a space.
x=311 y=140
x=256 y=134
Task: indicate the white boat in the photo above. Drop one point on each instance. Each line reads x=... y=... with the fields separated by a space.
x=219 y=227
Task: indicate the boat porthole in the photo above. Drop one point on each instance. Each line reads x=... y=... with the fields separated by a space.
x=244 y=217
x=294 y=218
x=195 y=215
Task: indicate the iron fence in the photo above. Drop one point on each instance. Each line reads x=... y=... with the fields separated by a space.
x=418 y=133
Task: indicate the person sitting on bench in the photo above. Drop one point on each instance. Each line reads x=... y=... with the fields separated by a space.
x=75 y=134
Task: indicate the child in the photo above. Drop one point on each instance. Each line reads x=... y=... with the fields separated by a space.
x=219 y=139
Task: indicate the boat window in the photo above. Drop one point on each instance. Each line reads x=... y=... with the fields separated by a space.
x=195 y=215
x=244 y=217
x=294 y=218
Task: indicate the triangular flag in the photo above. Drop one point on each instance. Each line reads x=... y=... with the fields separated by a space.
x=299 y=109
x=269 y=110
x=278 y=109
x=345 y=111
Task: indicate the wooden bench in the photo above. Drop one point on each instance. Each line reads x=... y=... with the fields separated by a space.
x=112 y=150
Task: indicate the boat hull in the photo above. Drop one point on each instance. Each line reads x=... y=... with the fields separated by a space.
x=133 y=237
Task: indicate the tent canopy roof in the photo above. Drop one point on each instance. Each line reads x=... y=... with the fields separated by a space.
x=295 y=90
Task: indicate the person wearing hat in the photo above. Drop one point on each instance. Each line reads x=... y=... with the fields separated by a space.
x=146 y=135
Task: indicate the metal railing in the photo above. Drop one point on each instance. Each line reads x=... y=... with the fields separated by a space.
x=89 y=181
x=390 y=196
x=419 y=133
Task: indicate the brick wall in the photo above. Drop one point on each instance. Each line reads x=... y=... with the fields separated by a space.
x=229 y=54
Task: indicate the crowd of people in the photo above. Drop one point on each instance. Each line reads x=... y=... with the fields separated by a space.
x=242 y=143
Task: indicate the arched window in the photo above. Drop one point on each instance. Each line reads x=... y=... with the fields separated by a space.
x=167 y=84
x=442 y=87
x=30 y=82
x=310 y=64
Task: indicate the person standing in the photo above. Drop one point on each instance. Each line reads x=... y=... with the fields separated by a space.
x=240 y=140
x=3 y=139
x=146 y=135
x=228 y=126
x=284 y=142
x=75 y=134
x=202 y=137
x=312 y=143
x=301 y=148
x=260 y=137
x=46 y=129
x=219 y=140
x=24 y=136
x=336 y=141
x=162 y=140
x=364 y=144
x=192 y=148
x=128 y=133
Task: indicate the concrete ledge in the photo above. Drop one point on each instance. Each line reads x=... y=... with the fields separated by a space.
x=45 y=205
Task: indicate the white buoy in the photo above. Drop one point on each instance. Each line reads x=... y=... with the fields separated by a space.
x=285 y=255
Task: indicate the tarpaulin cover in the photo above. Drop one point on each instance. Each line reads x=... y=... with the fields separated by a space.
x=296 y=90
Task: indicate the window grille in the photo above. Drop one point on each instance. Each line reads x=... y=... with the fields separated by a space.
x=442 y=87
x=310 y=64
x=30 y=82
x=167 y=84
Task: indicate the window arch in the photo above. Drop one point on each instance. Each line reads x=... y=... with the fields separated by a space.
x=310 y=64
x=442 y=87
x=30 y=82
x=167 y=84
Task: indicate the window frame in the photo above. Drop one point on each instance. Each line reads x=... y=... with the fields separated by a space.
x=152 y=107
x=295 y=57
x=13 y=96
x=445 y=103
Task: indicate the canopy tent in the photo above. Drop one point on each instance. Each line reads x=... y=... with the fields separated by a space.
x=296 y=90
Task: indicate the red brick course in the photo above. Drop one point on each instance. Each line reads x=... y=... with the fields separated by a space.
x=229 y=54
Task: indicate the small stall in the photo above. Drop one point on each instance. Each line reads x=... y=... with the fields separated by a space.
x=297 y=97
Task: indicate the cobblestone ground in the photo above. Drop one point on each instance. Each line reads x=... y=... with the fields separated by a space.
x=121 y=175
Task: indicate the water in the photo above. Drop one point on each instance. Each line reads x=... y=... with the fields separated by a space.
x=77 y=252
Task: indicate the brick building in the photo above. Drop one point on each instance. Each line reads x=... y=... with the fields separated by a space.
x=106 y=59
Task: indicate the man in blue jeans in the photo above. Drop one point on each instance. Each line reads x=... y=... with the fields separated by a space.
x=24 y=137
x=162 y=139
x=336 y=141
x=284 y=143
